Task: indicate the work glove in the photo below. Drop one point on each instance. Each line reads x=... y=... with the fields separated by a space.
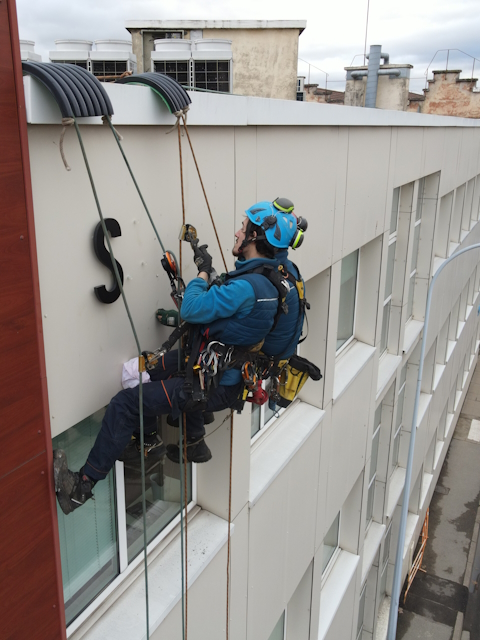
x=202 y=259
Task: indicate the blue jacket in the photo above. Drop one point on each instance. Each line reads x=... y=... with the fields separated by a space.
x=242 y=311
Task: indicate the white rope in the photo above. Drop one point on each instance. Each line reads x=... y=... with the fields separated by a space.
x=105 y=121
x=66 y=122
x=182 y=114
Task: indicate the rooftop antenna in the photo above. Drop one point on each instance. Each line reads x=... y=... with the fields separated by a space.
x=366 y=31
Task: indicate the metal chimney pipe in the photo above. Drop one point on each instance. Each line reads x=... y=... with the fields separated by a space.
x=372 y=77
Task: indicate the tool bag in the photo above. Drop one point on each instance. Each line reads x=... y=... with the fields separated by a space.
x=293 y=374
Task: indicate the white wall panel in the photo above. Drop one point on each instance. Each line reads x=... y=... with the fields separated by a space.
x=368 y=167
x=281 y=538
x=348 y=444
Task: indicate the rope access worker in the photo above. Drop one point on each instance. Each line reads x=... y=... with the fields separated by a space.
x=241 y=312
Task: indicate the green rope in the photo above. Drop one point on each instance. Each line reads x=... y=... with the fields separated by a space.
x=140 y=395
x=136 y=185
x=180 y=366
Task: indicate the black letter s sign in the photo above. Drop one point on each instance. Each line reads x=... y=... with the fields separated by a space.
x=102 y=293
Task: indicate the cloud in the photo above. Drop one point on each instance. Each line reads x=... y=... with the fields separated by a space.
x=410 y=31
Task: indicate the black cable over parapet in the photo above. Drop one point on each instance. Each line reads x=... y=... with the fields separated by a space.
x=173 y=94
x=76 y=91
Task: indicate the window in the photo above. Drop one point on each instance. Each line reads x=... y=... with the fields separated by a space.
x=330 y=543
x=77 y=63
x=299 y=96
x=387 y=302
x=399 y=418
x=348 y=288
x=361 y=611
x=168 y=35
x=98 y=540
x=416 y=241
x=384 y=567
x=373 y=464
x=179 y=70
x=88 y=536
x=392 y=244
x=213 y=75
x=456 y=222
x=262 y=415
x=109 y=67
x=279 y=631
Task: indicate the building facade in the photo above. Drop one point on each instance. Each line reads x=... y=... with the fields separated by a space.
x=255 y=57
x=317 y=490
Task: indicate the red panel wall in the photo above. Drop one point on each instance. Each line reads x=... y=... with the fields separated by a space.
x=31 y=599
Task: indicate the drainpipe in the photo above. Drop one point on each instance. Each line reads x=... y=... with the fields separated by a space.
x=397 y=576
x=374 y=58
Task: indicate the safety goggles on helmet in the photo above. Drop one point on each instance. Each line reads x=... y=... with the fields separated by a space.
x=281 y=228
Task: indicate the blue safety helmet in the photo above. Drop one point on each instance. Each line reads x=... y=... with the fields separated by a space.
x=277 y=221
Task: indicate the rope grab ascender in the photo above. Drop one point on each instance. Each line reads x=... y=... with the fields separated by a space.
x=79 y=94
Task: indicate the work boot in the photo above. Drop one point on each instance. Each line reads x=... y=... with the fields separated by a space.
x=197 y=451
x=208 y=418
x=72 y=489
x=152 y=444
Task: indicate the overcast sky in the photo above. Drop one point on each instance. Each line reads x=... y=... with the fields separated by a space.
x=411 y=31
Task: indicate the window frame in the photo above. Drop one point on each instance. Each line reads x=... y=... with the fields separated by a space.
x=398 y=428
x=373 y=477
x=352 y=338
x=119 y=523
x=415 y=247
x=331 y=561
x=361 y=608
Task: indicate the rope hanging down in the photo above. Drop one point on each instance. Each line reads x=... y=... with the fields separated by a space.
x=139 y=350
x=181 y=115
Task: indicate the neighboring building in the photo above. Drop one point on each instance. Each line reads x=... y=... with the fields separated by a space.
x=255 y=57
x=392 y=88
x=449 y=95
x=314 y=93
x=110 y=58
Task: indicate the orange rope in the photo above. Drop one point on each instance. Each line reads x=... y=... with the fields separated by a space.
x=203 y=189
x=184 y=453
x=229 y=519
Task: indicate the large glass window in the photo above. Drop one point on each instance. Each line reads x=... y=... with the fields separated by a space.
x=88 y=536
x=330 y=542
x=98 y=540
x=348 y=288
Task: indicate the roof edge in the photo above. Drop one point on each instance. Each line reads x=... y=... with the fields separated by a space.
x=216 y=24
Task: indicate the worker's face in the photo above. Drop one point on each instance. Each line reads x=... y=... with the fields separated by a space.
x=239 y=237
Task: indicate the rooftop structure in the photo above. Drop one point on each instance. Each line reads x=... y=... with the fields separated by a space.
x=246 y=57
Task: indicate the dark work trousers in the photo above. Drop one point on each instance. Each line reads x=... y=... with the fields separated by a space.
x=122 y=420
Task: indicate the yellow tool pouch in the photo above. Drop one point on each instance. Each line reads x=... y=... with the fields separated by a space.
x=293 y=375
